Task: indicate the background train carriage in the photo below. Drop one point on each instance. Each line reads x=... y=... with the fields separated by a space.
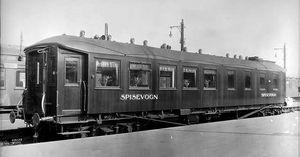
x=12 y=77
x=68 y=75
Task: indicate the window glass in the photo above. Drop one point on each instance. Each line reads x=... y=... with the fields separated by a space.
x=72 y=65
x=275 y=82
x=107 y=73
x=167 y=76
x=262 y=81
x=210 y=79
x=139 y=75
x=189 y=77
x=20 y=78
x=247 y=80
x=2 y=78
x=231 y=79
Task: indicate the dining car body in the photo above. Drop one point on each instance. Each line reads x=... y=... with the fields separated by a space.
x=86 y=82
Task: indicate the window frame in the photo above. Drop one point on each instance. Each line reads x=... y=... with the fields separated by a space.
x=265 y=81
x=149 y=77
x=275 y=87
x=18 y=78
x=119 y=72
x=195 y=87
x=4 y=76
x=216 y=81
x=234 y=80
x=65 y=70
x=174 y=80
x=250 y=76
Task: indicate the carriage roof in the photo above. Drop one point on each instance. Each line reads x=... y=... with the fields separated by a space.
x=88 y=45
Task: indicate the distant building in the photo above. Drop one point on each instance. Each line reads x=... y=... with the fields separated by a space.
x=12 y=76
x=292 y=87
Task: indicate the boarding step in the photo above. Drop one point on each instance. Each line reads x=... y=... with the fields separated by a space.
x=106 y=130
x=128 y=126
x=72 y=122
x=73 y=133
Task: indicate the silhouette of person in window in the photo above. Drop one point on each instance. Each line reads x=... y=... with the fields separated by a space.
x=105 y=80
x=186 y=83
x=137 y=81
x=206 y=83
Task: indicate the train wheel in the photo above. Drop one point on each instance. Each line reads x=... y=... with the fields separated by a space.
x=35 y=122
x=35 y=119
x=12 y=117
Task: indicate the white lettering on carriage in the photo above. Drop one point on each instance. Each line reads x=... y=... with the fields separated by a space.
x=124 y=97
x=268 y=95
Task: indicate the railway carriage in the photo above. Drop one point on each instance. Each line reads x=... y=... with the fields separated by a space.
x=12 y=77
x=75 y=80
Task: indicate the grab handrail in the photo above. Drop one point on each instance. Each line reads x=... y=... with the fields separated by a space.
x=84 y=95
x=43 y=103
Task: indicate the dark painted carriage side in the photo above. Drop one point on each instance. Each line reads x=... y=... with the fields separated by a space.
x=38 y=76
x=83 y=94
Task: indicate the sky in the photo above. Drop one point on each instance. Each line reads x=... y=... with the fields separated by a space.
x=241 y=27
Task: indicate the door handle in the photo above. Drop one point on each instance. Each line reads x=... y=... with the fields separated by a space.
x=84 y=95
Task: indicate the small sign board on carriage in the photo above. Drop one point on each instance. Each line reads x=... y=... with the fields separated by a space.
x=268 y=94
x=124 y=97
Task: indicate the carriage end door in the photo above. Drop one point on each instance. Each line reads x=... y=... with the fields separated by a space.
x=72 y=92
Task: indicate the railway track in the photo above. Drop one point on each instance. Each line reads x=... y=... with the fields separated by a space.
x=26 y=135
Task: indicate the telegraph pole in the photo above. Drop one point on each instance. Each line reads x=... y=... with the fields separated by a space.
x=21 y=42
x=181 y=29
x=182 y=35
x=106 y=31
x=284 y=56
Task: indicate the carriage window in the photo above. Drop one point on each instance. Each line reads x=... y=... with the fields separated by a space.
x=72 y=65
x=2 y=79
x=247 y=80
x=139 y=75
x=189 y=77
x=20 y=78
x=167 y=76
x=107 y=73
x=210 y=79
x=262 y=81
x=231 y=79
x=275 y=82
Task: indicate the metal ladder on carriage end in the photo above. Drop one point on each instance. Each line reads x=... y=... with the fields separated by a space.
x=253 y=112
